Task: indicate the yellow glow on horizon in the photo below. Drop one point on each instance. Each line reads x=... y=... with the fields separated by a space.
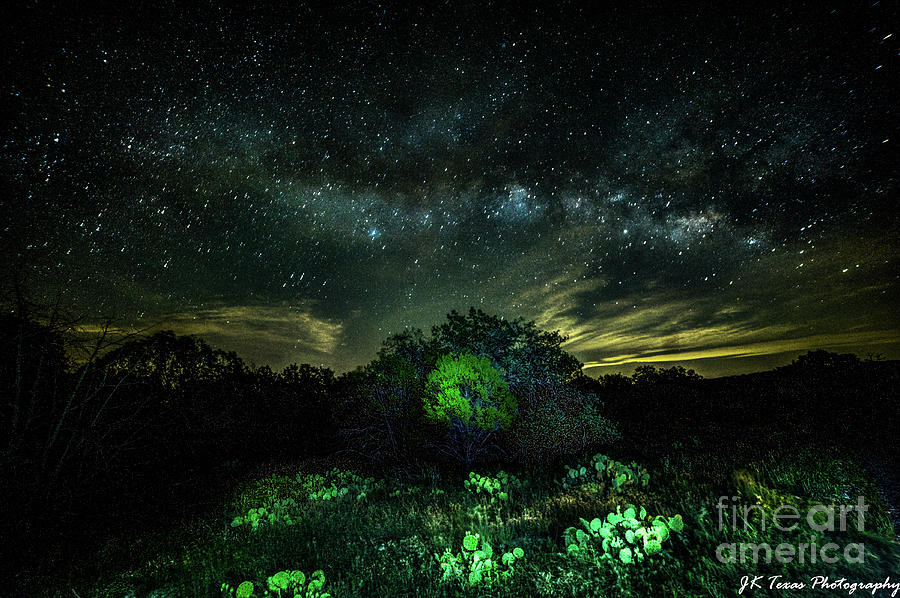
x=772 y=347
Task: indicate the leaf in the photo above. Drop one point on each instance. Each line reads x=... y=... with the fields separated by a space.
x=298 y=577
x=245 y=590
x=280 y=580
x=652 y=546
x=662 y=533
x=487 y=550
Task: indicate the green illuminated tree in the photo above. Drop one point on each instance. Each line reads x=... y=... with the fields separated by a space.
x=471 y=397
x=525 y=354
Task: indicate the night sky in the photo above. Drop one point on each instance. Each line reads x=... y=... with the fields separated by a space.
x=705 y=188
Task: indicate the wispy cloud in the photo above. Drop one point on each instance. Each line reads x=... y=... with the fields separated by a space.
x=276 y=335
x=773 y=347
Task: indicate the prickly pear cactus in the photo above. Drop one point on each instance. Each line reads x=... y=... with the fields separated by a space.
x=478 y=565
x=622 y=540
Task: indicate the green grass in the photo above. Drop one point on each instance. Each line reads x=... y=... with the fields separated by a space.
x=387 y=543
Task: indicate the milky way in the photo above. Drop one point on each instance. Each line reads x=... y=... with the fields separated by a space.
x=708 y=188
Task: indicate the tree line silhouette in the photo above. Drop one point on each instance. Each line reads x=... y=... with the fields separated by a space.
x=86 y=424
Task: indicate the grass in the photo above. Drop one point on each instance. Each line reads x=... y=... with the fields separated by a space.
x=387 y=543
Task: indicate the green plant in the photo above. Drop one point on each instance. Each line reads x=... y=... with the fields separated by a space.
x=602 y=469
x=622 y=540
x=292 y=583
x=491 y=492
x=265 y=491
x=336 y=485
x=494 y=488
x=467 y=388
x=471 y=397
x=284 y=512
x=477 y=565
x=245 y=590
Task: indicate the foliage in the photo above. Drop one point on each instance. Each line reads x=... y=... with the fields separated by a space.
x=280 y=512
x=559 y=420
x=493 y=488
x=410 y=347
x=822 y=475
x=469 y=396
x=821 y=361
x=493 y=493
x=467 y=388
x=337 y=484
x=298 y=408
x=622 y=540
x=384 y=409
x=525 y=353
x=397 y=546
x=266 y=491
x=288 y=583
x=477 y=565
x=602 y=469
x=650 y=375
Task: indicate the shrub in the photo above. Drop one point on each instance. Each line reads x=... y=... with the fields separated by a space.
x=467 y=388
x=469 y=396
x=493 y=488
x=337 y=484
x=384 y=411
x=477 y=565
x=492 y=492
x=602 y=469
x=284 y=512
x=284 y=583
x=621 y=541
x=559 y=420
x=266 y=491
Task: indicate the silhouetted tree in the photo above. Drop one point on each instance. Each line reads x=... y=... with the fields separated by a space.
x=820 y=361
x=383 y=421
x=386 y=417
x=555 y=421
x=649 y=375
x=525 y=354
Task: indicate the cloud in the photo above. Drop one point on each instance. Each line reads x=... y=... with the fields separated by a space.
x=273 y=335
x=834 y=342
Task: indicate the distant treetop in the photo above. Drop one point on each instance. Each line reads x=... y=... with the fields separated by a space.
x=523 y=353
